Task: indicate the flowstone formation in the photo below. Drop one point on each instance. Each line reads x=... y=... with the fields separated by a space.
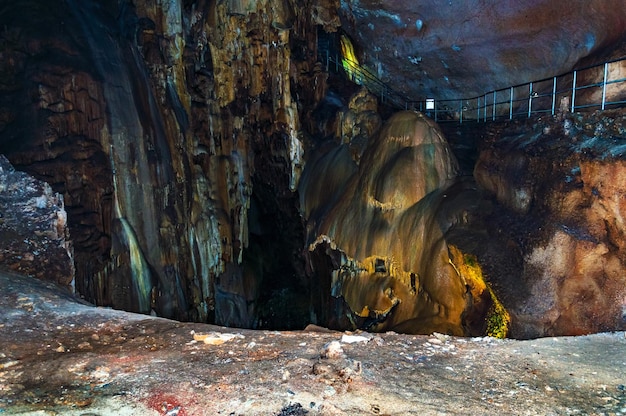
x=176 y=132
x=376 y=233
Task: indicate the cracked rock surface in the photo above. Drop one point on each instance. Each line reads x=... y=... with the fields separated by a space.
x=60 y=356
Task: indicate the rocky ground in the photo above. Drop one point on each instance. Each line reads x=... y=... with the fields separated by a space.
x=59 y=356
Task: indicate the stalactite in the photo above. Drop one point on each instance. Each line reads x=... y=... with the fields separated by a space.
x=177 y=108
x=141 y=278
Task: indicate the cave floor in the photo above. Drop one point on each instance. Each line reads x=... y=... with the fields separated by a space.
x=59 y=356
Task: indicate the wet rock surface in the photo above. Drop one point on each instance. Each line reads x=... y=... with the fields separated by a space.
x=60 y=356
x=176 y=131
x=377 y=223
x=156 y=123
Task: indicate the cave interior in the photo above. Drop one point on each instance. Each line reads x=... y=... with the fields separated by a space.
x=274 y=164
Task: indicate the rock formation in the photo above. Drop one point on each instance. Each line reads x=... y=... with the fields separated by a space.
x=155 y=122
x=376 y=233
x=62 y=357
x=558 y=228
x=33 y=228
x=177 y=133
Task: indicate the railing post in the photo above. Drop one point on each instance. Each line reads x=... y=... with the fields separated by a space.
x=493 y=113
x=485 y=112
x=606 y=72
x=461 y=112
x=327 y=60
x=553 y=94
x=478 y=109
x=574 y=92
x=511 y=104
x=530 y=99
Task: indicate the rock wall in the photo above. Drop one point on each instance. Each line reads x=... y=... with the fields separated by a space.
x=176 y=133
x=557 y=251
x=156 y=121
x=452 y=50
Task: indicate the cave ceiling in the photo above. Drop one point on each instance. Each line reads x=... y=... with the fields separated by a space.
x=461 y=49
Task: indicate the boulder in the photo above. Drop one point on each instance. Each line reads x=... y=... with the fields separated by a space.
x=33 y=228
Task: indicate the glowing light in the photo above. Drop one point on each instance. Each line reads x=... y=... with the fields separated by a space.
x=349 y=60
x=466 y=265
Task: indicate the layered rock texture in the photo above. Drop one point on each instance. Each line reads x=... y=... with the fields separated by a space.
x=376 y=232
x=151 y=119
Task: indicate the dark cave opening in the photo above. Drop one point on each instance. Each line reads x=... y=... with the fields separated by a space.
x=275 y=258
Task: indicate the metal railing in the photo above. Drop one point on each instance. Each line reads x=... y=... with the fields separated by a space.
x=601 y=86
x=363 y=76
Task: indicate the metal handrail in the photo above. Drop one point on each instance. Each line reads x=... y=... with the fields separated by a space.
x=363 y=76
x=547 y=95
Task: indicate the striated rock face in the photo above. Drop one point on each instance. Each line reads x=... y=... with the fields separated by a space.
x=561 y=182
x=463 y=49
x=156 y=121
x=33 y=228
x=376 y=232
